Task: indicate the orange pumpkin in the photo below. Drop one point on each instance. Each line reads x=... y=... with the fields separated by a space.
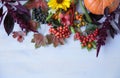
x=98 y=6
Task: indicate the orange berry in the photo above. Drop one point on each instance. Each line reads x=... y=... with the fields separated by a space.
x=89 y=45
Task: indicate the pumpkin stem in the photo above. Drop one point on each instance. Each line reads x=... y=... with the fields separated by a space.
x=85 y=12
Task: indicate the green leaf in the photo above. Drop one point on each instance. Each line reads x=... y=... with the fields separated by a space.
x=94 y=44
x=49 y=16
x=89 y=49
x=90 y=27
x=37 y=46
x=82 y=47
x=72 y=29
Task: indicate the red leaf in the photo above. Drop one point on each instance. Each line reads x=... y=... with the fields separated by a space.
x=36 y=4
x=19 y=35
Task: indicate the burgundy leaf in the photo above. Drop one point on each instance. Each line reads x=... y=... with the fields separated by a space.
x=24 y=17
x=106 y=11
x=2 y=1
x=1 y=18
x=112 y=31
x=116 y=24
x=98 y=50
x=12 y=1
x=95 y=17
x=119 y=20
x=1 y=11
x=8 y=23
x=118 y=10
x=22 y=9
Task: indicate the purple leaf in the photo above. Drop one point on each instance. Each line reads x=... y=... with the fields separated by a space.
x=23 y=17
x=22 y=9
x=8 y=23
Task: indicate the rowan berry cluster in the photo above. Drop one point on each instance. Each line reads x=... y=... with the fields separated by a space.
x=60 y=32
x=88 y=39
x=79 y=20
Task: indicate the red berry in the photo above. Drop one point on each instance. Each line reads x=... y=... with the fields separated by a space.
x=90 y=40
x=83 y=41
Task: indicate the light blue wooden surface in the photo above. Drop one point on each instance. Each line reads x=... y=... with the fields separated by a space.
x=22 y=60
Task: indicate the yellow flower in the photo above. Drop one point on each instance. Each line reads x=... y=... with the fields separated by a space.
x=59 y=4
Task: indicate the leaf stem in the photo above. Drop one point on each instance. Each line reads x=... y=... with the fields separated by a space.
x=85 y=12
x=49 y=16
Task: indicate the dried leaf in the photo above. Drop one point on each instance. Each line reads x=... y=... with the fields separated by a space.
x=19 y=35
x=8 y=23
x=50 y=38
x=55 y=42
x=33 y=25
x=39 y=40
x=61 y=41
x=36 y=4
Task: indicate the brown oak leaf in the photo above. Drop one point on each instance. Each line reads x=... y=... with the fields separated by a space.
x=52 y=39
x=39 y=40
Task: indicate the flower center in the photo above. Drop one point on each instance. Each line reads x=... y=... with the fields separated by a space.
x=59 y=1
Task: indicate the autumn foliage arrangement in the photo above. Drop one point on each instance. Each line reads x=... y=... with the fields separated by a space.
x=62 y=19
